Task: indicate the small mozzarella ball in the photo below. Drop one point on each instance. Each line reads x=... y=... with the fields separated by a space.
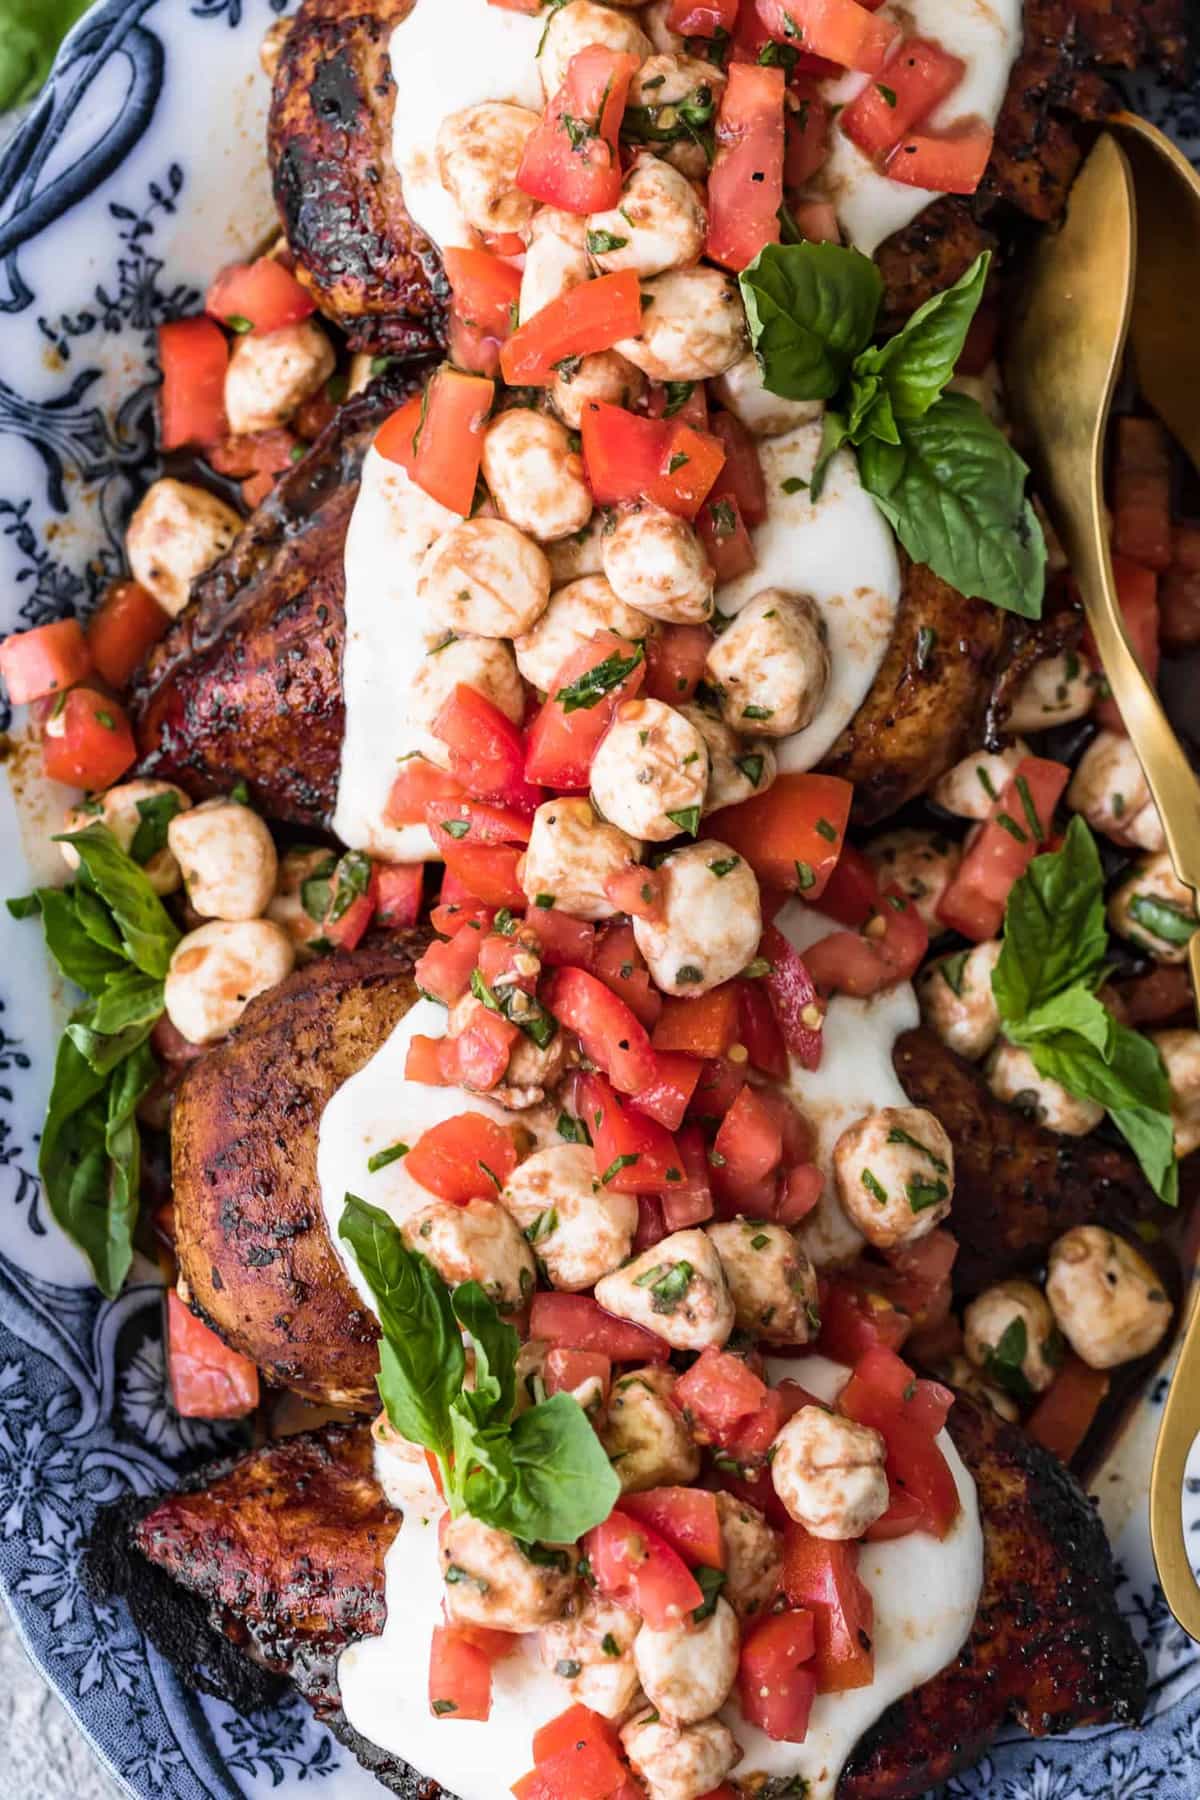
x=577 y=1229
x=571 y=558
x=680 y=1762
x=774 y=1286
x=216 y=971
x=576 y=27
x=677 y=1289
x=958 y=1373
x=533 y=1071
x=177 y=532
x=969 y=788
x=601 y=377
x=227 y=858
x=1110 y=790
x=693 y=326
x=645 y=1436
x=485 y=664
x=1108 y=1301
x=286 y=906
x=479 y=152
x=672 y=85
x=1010 y=1329
x=591 y=1649
x=1154 y=910
x=270 y=377
x=1056 y=691
x=651 y=764
x=125 y=809
x=829 y=1473
x=895 y=1174
x=556 y=259
x=655 y=561
x=957 y=1001
x=738 y=767
x=534 y=476
x=753 y=1556
x=1180 y=1051
x=575 y=614
x=484 y=578
x=570 y=854
x=489 y=1580
x=476 y=1242
x=771 y=665
x=658 y=225
x=921 y=863
x=688 y=1671
x=742 y=390
x=1012 y=1077
x=711 y=919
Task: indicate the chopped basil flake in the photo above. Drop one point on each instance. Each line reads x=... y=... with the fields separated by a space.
x=923 y=1194
x=382 y=1158
x=599 y=243
x=688 y=819
x=792 y=484
x=722 y=865
x=898 y=1135
x=751 y=767
x=591 y=687
x=757 y=712
x=614 y=1168
x=874 y=1187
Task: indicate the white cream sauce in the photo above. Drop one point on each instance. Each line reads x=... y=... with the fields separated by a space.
x=986 y=34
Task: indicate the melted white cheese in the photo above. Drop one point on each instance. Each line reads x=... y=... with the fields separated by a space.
x=855 y=1077
x=986 y=34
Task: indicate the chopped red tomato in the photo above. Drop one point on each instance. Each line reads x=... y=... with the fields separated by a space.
x=717 y=1089
x=1141 y=493
x=802 y=1189
x=487 y=753
x=749 y=1139
x=207 y=1379
x=691 y=1202
x=572 y=160
x=593 y=316
x=852 y=893
x=741 y=477
x=919 y=76
x=577 y=1322
x=579 y=707
x=629 y=457
x=194 y=356
x=460 y=1676
x=952 y=162
x=822 y=1576
x=661 y=403
x=398 y=894
x=882 y=1376
x=792 y=835
x=395 y=438
x=727 y=543
x=570 y=1728
x=855 y=1318
x=122 y=630
x=46 y=660
x=565 y=1371
x=486 y=288
x=419 y=783
x=884 y=1393
x=634 y=1154
x=262 y=296
x=745 y=183
x=776 y=1687
x=88 y=742
x=632 y=1564
x=668 y=1096
x=889 y=948
x=807 y=137
x=612 y=1036
x=354 y=895
x=563 y=941
x=468 y=1157
x=686 y=1517
x=1137 y=592
x=840 y=29
x=587 y=1771
x=795 y=1002
x=675 y=659
x=531 y=7
x=702 y=18
x=620 y=965
x=919 y=1279
x=758 y=1030
x=450 y=440
x=705 y=1026
x=690 y=464
x=482 y=1050
x=488 y=871
x=637 y=890
x=449 y=917
x=1015 y=831
x=1066 y=1412
x=718 y=1394
x=475 y=822
x=444 y=971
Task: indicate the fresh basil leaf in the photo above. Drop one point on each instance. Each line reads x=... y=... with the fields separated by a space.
x=128 y=1085
x=97 y=920
x=1132 y=1085
x=129 y=998
x=1077 y=1011
x=495 y=1344
x=1054 y=929
x=915 y=365
x=30 y=33
x=953 y=491
x=148 y=934
x=590 y=688
x=834 y=433
x=811 y=308
x=871 y=414
x=1004 y=1362
x=25 y=906
x=561 y=1482
x=154 y=815
x=102 y=1051
x=710 y=1582
x=82 y=960
x=421 y=1357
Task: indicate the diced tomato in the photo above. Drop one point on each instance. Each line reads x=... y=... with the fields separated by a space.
x=702 y=18
x=444 y=970
x=487 y=753
x=802 y=1189
x=686 y=1517
x=634 y=1154
x=749 y=1139
x=475 y=822
x=692 y=1202
x=689 y=466
x=919 y=1279
x=1137 y=592
x=741 y=478
x=571 y=160
x=651 y=1224
x=482 y=1049
x=841 y=30
x=589 y=1770
x=795 y=1002
x=431 y=1061
x=122 y=630
x=259 y=453
x=675 y=659
x=792 y=835
x=776 y=1689
x=889 y=948
x=822 y=1576
x=499 y=964
x=718 y=1394
x=450 y=443
x=903 y=1516
x=394 y=439
x=727 y=543
x=915 y=1464
x=612 y=1036
x=661 y=403
x=1016 y=830
x=207 y=1379
x=566 y=1370
x=577 y=1724
x=705 y=1026
x=194 y=356
x=449 y=917
x=919 y=76
x=952 y=162
x=855 y=1318
x=637 y=890
x=567 y=729
x=881 y=1374
x=88 y=742
x=620 y=965
x=628 y=457
x=468 y=1157
x=562 y=939
x=807 y=138
x=852 y=893
x=745 y=183
x=632 y=1564
x=494 y=1644
x=667 y=1097
x=577 y=1322
x=460 y=1676
x=263 y=294
x=398 y=892
x=485 y=288
x=717 y=1089
x=46 y=660
x=1067 y=1410
x=489 y=871
x=758 y=1030
x=593 y=316
x=354 y=895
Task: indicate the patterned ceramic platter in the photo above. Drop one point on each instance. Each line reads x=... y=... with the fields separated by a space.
x=137 y=173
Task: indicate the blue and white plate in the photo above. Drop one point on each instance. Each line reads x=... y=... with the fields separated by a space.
x=138 y=172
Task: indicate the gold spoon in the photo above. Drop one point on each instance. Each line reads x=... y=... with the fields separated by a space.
x=1062 y=363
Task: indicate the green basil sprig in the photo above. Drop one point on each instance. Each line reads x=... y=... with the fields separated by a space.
x=948 y=482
